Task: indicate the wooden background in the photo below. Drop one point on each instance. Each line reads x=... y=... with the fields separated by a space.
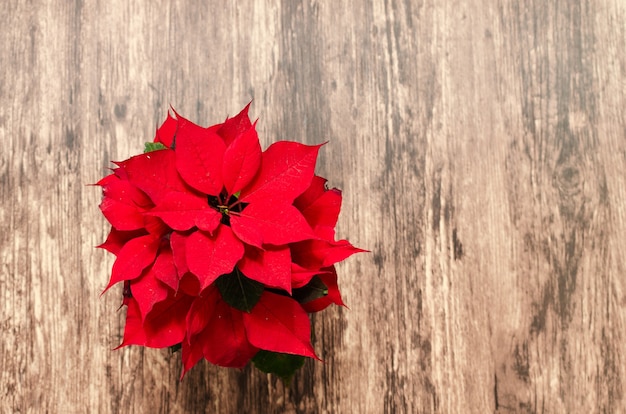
x=481 y=147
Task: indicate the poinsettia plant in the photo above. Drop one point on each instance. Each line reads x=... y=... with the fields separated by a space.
x=223 y=249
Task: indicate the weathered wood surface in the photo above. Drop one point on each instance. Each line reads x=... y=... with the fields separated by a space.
x=481 y=149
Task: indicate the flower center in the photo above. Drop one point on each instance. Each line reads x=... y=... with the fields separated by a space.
x=226 y=205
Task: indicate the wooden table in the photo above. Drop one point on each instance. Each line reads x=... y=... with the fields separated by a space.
x=480 y=147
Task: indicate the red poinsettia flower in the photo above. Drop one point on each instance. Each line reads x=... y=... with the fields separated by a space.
x=223 y=248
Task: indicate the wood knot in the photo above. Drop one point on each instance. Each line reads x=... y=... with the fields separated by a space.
x=120 y=111
x=568 y=179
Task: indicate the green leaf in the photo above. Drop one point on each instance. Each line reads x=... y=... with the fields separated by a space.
x=153 y=146
x=315 y=289
x=283 y=365
x=239 y=291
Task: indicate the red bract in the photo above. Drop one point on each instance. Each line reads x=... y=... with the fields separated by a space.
x=223 y=248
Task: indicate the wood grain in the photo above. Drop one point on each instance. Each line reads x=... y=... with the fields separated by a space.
x=480 y=147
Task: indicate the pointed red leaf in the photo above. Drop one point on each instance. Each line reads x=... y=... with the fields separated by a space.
x=117 y=187
x=182 y=211
x=218 y=329
x=315 y=254
x=154 y=173
x=197 y=334
x=209 y=257
x=300 y=276
x=136 y=255
x=164 y=326
x=286 y=171
x=121 y=215
x=167 y=131
x=242 y=159
x=278 y=224
x=201 y=311
x=104 y=181
x=271 y=266
x=189 y=284
x=199 y=155
x=164 y=269
x=191 y=354
x=226 y=343
x=178 y=242
x=117 y=239
x=315 y=190
x=155 y=226
x=279 y=324
x=235 y=126
x=339 y=250
x=122 y=203
x=324 y=210
x=134 y=333
x=329 y=278
x=148 y=291
x=246 y=230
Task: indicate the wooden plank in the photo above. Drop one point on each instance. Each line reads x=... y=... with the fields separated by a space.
x=480 y=147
